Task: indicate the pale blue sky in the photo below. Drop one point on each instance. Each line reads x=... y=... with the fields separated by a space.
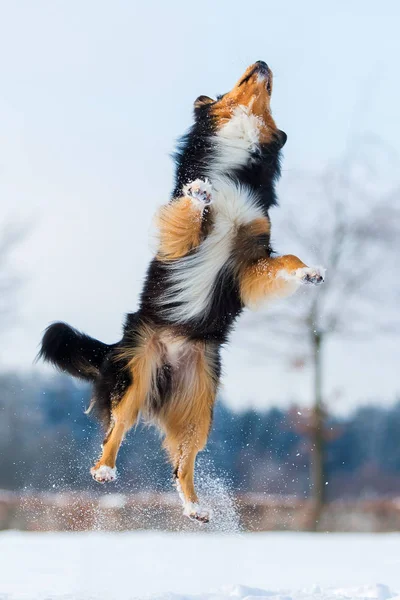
x=93 y=95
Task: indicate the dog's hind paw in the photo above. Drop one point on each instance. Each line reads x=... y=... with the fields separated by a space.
x=199 y=191
x=197 y=513
x=103 y=474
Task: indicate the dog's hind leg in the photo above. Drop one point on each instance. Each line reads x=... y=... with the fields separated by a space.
x=183 y=457
x=142 y=362
x=186 y=422
x=123 y=417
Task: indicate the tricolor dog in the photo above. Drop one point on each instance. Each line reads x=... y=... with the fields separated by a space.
x=214 y=259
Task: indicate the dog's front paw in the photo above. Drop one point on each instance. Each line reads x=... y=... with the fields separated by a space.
x=199 y=191
x=197 y=513
x=310 y=275
x=103 y=474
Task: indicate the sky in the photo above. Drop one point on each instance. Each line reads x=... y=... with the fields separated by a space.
x=93 y=97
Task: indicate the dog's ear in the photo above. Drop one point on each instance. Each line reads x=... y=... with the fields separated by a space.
x=202 y=101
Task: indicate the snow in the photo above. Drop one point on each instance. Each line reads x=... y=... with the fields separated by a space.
x=179 y=566
x=104 y=474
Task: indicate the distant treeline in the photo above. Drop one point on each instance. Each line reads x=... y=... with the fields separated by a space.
x=48 y=443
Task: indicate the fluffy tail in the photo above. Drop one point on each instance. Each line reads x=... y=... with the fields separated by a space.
x=73 y=352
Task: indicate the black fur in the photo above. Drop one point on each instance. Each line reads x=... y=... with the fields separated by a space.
x=195 y=150
x=261 y=173
x=109 y=387
x=73 y=352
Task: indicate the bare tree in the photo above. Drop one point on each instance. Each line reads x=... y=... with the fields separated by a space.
x=346 y=215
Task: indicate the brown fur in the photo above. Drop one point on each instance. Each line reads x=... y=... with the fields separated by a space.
x=261 y=279
x=179 y=224
x=143 y=360
x=185 y=418
x=123 y=417
x=255 y=95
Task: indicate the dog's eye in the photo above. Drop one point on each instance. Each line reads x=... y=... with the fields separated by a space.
x=269 y=87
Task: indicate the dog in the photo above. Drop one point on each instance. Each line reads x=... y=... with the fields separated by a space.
x=214 y=259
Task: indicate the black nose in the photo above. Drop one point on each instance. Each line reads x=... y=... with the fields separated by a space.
x=262 y=65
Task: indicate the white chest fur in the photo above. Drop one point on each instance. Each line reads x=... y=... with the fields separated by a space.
x=235 y=141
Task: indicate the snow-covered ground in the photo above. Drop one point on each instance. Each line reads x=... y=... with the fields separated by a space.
x=127 y=566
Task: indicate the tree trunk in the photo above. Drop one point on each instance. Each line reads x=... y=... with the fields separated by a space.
x=317 y=438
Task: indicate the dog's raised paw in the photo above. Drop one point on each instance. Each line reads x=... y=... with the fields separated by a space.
x=103 y=474
x=195 y=512
x=310 y=275
x=199 y=190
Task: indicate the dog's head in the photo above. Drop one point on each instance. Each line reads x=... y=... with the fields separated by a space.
x=252 y=94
